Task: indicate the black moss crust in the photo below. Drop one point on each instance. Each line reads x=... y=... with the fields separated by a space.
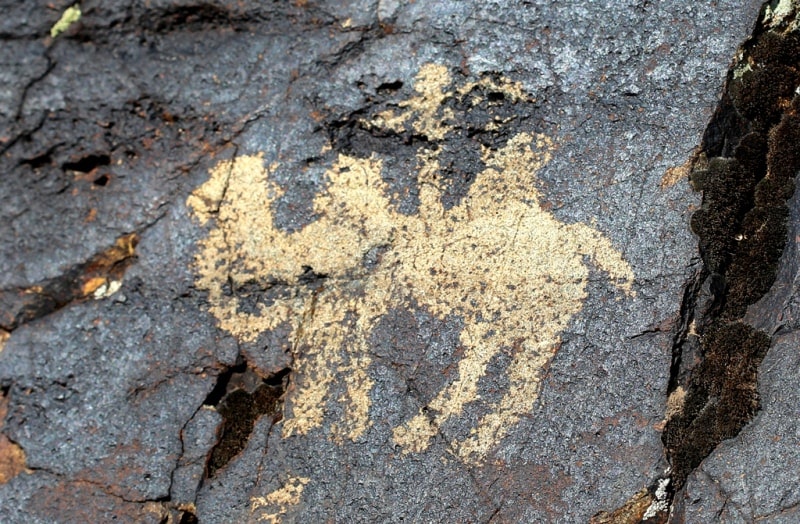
x=750 y=156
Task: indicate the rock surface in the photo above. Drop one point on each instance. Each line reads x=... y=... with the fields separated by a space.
x=365 y=261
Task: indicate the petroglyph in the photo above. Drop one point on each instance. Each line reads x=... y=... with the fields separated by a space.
x=274 y=506
x=498 y=260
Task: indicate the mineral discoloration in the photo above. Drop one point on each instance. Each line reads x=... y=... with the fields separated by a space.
x=12 y=456
x=632 y=512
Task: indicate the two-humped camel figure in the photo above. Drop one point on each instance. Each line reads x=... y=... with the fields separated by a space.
x=512 y=272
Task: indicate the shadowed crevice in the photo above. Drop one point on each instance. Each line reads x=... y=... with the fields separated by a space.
x=242 y=397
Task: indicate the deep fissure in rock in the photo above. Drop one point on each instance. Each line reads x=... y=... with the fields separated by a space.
x=241 y=396
x=746 y=169
x=79 y=282
x=87 y=163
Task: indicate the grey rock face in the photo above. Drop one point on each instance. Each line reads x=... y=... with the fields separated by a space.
x=456 y=234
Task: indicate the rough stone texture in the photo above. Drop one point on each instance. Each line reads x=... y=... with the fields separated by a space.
x=198 y=437
x=107 y=129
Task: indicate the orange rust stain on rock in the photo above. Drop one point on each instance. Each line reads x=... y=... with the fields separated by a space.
x=675 y=174
x=12 y=460
x=79 y=501
x=12 y=457
x=119 y=471
x=108 y=266
x=632 y=512
x=91 y=285
x=99 y=277
x=537 y=486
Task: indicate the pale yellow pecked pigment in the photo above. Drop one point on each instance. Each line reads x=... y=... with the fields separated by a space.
x=514 y=273
x=275 y=505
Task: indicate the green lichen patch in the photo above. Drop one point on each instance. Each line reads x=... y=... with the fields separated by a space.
x=69 y=17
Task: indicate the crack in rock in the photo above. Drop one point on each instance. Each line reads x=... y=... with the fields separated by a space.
x=99 y=277
x=241 y=397
x=745 y=170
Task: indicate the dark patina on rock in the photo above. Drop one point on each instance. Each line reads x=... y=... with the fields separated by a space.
x=386 y=132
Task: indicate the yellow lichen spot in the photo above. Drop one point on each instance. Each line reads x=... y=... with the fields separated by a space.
x=69 y=17
x=107 y=289
x=498 y=260
x=274 y=506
